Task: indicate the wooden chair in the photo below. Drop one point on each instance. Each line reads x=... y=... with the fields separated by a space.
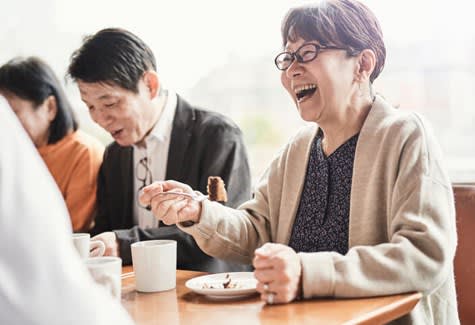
x=465 y=255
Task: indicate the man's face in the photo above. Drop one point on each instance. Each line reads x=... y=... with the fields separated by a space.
x=126 y=115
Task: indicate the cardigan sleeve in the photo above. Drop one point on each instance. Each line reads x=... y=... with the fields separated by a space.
x=235 y=234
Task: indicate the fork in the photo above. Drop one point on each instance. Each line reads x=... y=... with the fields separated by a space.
x=195 y=196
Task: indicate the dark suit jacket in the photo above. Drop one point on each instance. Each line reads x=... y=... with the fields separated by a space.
x=202 y=144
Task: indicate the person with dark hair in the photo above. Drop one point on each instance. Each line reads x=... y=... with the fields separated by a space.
x=359 y=203
x=157 y=135
x=72 y=156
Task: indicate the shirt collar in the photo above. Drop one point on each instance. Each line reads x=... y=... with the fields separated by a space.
x=163 y=128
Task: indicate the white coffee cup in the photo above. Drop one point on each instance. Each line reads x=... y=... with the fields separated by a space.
x=84 y=245
x=154 y=263
x=106 y=271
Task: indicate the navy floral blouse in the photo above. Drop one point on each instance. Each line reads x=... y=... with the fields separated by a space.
x=322 y=218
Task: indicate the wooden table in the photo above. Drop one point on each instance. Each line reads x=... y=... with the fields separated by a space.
x=183 y=306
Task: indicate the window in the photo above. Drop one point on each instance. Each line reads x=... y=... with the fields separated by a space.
x=429 y=69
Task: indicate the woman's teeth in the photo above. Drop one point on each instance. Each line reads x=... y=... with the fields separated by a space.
x=304 y=91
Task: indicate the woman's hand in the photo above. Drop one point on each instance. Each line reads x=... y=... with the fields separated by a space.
x=171 y=209
x=278 y=272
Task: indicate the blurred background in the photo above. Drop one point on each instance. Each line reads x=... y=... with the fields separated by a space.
x=219 y=55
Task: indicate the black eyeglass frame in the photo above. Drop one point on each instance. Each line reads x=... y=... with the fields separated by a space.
x=296 y=56
x=146 y=180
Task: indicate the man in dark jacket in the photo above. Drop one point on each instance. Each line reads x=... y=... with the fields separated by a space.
x=158 y=136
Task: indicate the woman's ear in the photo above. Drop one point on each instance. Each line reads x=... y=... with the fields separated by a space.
x=366 y=64
x=152 y=83
x=52 y=107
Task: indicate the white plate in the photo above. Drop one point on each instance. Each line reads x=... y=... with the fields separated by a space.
x=212 y=285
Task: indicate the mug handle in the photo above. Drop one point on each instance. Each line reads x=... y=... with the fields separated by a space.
x=99 y=245
x=109 y=283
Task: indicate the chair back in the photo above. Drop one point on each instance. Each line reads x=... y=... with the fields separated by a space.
x=465 y=256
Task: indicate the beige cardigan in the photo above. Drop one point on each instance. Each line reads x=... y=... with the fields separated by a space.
x=402 y=234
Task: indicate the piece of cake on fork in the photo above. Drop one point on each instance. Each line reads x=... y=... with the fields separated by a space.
x=216 y=190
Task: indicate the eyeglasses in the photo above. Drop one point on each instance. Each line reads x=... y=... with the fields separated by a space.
x=305 y=53
x=144 y=175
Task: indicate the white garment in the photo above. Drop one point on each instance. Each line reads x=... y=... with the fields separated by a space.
x=157 y=144
x=42 y=279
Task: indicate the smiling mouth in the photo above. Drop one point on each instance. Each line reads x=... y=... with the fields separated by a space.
x=304 y=92
x=116 y=133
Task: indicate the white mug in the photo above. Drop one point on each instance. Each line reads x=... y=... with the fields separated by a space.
x=154 y=263
x=106 y=271
x=84 y=245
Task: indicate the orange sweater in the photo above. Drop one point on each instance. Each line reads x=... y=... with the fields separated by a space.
x=74 y=162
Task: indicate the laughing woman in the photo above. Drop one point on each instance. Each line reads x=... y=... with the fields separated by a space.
x=72 y=157
x=357 y=205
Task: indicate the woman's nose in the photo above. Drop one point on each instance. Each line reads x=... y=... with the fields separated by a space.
x=293 y=70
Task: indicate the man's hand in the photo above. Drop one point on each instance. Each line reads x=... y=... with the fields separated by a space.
x=278 y=272
x=110 y=241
